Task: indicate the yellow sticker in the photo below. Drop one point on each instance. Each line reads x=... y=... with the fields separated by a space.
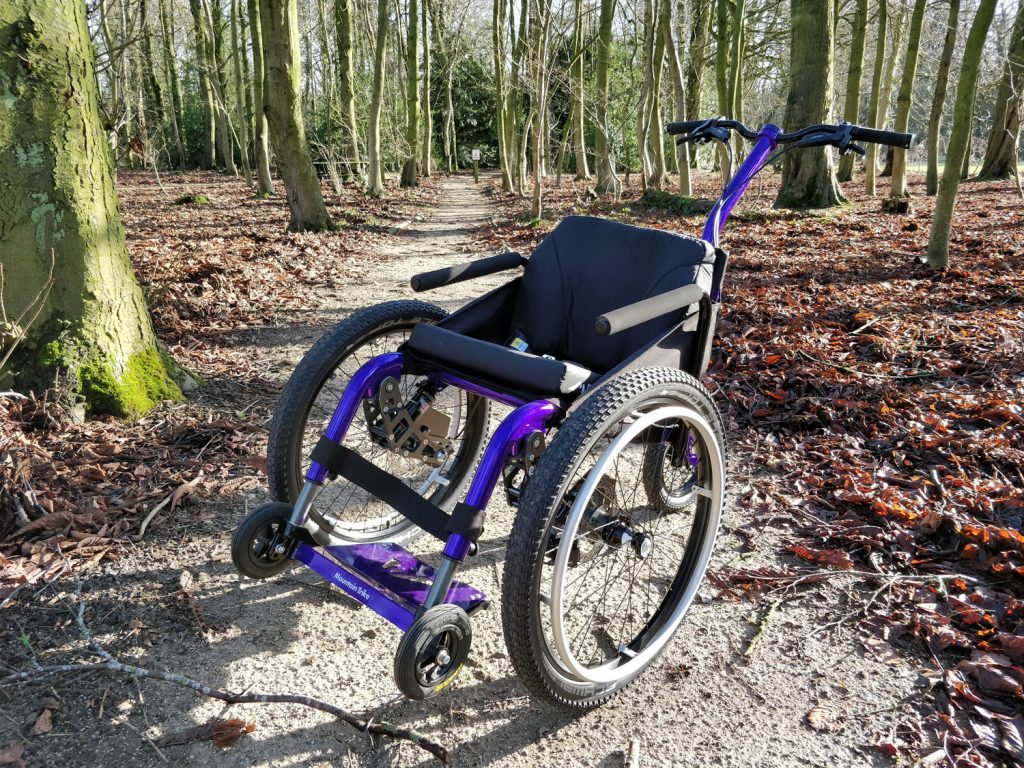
x=449 y=681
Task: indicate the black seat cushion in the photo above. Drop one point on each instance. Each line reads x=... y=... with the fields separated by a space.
x=432 y=348
x=588 y=266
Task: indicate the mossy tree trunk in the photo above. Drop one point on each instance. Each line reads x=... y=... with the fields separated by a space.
x=1000 y=160
x=899 y=28
x=851 y=109
x=264 y=182
x=607 y=180
x=898 y=184
x=939 y=98
x=205 y=86
x=343 y=13
x=375 y=178
x=963 y=113
x=808 y=175
x=59 y=206
x=154 y=92
x=410 y=171
x=579 y=101
x=874 y=99
x=282 y=106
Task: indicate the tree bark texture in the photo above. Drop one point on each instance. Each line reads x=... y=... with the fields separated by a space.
x=283 y=108
x=963 y=111
x=1000 y=160
x=851 y=108
x=939 y=98
x=58 y=207
x=808 y=176
x=898 y=184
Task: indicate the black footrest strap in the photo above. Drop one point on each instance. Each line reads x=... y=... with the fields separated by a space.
x=345 y=462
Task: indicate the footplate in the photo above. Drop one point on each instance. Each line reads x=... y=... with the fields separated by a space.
x=385 y=577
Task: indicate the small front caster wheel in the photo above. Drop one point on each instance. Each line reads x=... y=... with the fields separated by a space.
x=432 y=651
x=258 y=548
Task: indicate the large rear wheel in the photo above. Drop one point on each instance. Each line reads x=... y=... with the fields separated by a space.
x=600 y=569
x=344 y=510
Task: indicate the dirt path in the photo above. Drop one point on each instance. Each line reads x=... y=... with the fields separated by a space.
x=710 y=699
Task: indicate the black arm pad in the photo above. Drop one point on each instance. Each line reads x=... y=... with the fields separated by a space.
x=426 y=281
x=648 y=309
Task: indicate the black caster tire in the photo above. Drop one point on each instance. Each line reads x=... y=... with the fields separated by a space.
x=254 y=538
x=432 y=651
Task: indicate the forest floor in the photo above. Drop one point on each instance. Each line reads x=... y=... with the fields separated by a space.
x=874 y=417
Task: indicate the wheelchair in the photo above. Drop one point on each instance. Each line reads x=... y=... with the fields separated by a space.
x=611 y=452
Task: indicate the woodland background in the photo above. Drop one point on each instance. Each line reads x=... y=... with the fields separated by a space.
x=181 y=181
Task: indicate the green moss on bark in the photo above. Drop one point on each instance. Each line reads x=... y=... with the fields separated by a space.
x=145 y=382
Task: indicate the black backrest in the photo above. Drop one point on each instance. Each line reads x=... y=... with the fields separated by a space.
x=588 y=266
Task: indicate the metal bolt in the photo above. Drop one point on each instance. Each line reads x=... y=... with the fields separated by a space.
x=279 y=549
x=443 y=657
x=389 y=386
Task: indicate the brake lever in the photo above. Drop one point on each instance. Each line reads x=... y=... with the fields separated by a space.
x=857 y=149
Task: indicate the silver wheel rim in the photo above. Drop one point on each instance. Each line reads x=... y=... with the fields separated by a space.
x=613 y=671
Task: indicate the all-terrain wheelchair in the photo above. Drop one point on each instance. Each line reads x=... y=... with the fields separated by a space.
x=612 y=452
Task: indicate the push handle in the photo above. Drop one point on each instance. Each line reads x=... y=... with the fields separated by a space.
x=634 y=314
x=427 y=281
x=889 y=138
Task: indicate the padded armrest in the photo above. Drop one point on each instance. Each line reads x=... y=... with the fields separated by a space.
x=648 y=309
x=426 y=281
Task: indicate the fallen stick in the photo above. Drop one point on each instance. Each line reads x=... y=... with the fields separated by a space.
x=376 y=728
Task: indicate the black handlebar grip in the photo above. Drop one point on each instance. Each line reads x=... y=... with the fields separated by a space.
x=686 y=126
x=875 y=136
x=426 y=281
x=648 y=309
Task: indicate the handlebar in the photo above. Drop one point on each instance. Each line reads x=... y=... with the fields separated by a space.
x=701 y=131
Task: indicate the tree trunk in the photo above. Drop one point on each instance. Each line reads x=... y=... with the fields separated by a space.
x=643 y=112
x=171 y=70
x=939 y=98
x=898 y=185
x=655 y=137
x=853 y=81
x=264 y=183
x=343 y=16
x=154 y=93
x=722 y=80
x=410 y=172
x=428 y=118
x=540 y=16
x=679 y=93
x=1000 y=160
x=808 y=176
x=243 y=124
x=607 y=181
x=579 y=101
x=899 y=27
x=700 y=29
x=218 y=79
x=60 y=213
x=735 y=96
x=281 y=104
x=375 y=178
x=205 y=88
x=871 y=160
x=498 y=41
x=963 y=108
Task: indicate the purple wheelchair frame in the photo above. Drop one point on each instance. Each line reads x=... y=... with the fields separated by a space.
x=385 y=577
